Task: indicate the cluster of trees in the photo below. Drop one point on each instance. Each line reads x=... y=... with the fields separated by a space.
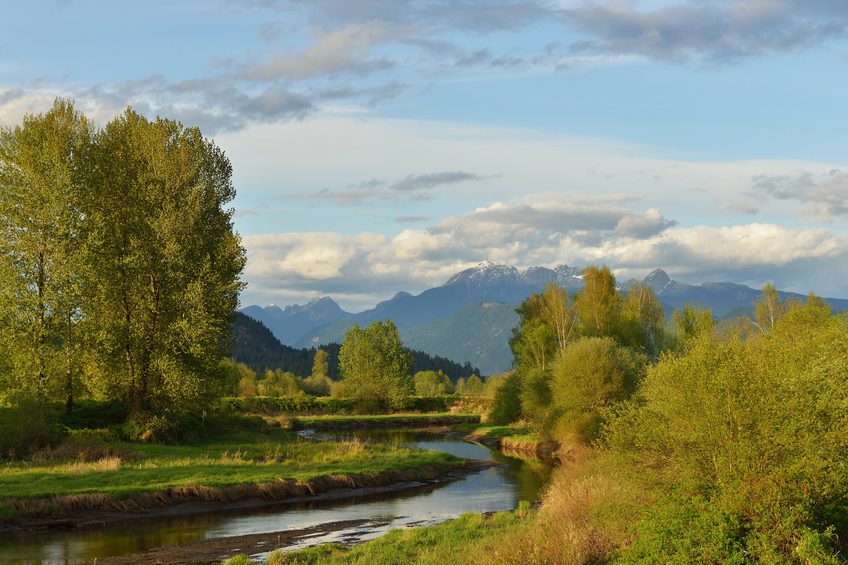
x=436 y=383
x=726 y=442
x=119 y=265
x=242 y=380
x=574 y=356
x=376 y=370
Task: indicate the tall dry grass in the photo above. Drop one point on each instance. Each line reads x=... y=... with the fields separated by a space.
x=587 y=513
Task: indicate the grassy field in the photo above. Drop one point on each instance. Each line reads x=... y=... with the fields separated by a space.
x=247 y=457
x=466 y=539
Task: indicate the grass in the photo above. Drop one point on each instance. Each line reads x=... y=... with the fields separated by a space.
x=517 y=432
x=463 y=540
x=246 y=458
x=380 y=417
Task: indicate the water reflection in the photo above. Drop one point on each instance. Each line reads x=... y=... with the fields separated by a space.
x=496 y=488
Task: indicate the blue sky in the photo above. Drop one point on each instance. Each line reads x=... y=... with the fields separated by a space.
x=381 y=145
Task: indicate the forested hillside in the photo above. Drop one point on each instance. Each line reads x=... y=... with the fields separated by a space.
x=256 y=347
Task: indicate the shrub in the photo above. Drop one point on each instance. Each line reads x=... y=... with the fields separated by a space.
x=506 y=406
x=94 y=414
x=27 y=425
x=757 y=430
x=167 y=427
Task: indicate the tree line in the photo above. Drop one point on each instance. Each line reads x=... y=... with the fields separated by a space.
x=119 y=265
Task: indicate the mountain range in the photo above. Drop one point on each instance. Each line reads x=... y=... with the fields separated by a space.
x=470 y=318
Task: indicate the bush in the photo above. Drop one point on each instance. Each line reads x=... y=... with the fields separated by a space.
x=93 y=414
x=506 y=406
x=167 y=427
x=27 y=425
x=757 y=430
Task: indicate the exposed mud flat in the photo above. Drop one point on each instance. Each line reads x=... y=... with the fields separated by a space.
x=219 y=549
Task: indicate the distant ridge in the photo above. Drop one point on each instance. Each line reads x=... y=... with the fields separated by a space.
x=452 y=321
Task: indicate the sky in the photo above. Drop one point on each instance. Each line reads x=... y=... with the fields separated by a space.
x=383 y=145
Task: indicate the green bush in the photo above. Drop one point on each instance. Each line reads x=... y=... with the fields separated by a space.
x=95 y=414
x=506 y=406
x=757 y=430
x=166 y=427
x=26 y=426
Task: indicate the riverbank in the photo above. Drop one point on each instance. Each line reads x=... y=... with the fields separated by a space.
x=381 y=421
x=516 y=440
x=462 y=540
x=271 y=466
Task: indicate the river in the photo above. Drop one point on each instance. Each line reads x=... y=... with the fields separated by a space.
x=499 y=487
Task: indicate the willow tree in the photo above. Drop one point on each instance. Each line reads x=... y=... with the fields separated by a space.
x=166 y=279
x=41 y=242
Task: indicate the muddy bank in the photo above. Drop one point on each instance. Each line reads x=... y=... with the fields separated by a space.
x=541 y=449
x=366 y=423
x=219 y=549
x=535 y=449
x=99 y=509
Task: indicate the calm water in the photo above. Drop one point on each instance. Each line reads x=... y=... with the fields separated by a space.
x=497 y=488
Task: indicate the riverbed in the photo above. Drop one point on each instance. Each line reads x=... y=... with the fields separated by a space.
x=258 y=531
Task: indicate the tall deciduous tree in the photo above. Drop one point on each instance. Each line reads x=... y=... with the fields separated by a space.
x=166 y=275
x=598 y=303
x=642 y=319
x=41 y=237
x=375 y=366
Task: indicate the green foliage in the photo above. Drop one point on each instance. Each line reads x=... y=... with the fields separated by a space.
x=240 y=559
x=690 y=323
x=95 y=414
x=472 y=386
x=506 y=406
x=318 y=383
x=279 y=383
x=42 y=249
x=598 y=303
x=375 y=366
x=232 y=374
x=431 y=383
x=594 y=372
x=641 y=321
x=462 y=540
x=27 y=425
x=164 y=274
x=687 y=531
x=119 y=266
x=756 y=429
x=169 y=426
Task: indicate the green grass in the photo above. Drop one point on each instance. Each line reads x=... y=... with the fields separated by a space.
x=515 y=432
x=241 y=459
x=306 y=420
x=455 y=541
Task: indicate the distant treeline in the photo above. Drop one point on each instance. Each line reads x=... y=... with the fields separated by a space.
x=256 y=347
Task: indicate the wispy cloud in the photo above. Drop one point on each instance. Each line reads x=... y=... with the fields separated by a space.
x=712 y=32
x=825 y=196
x=411 y=187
